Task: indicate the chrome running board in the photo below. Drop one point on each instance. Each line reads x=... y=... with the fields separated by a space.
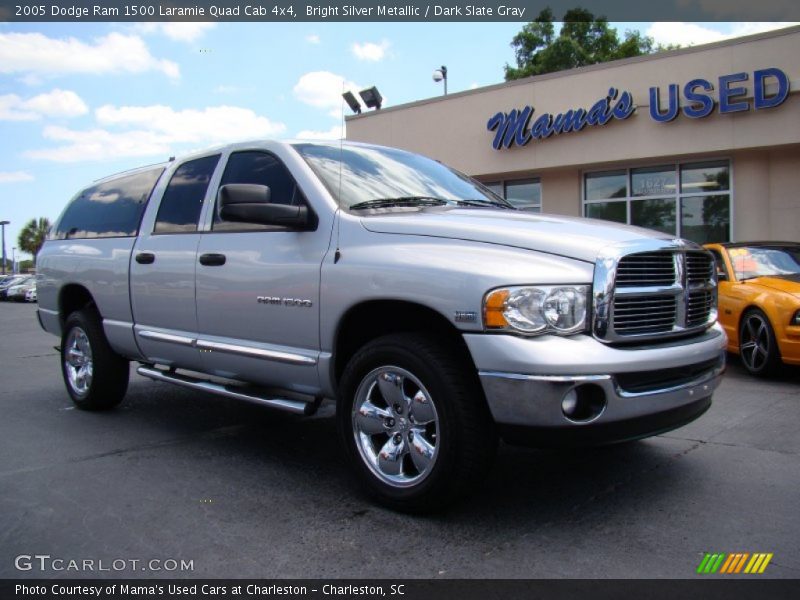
x=230 y=391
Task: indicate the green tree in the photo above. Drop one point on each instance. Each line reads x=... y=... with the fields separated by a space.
x=32 y=236
x=583 y=40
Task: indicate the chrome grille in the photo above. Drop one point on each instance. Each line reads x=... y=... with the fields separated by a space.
x=646 y=269
x=649 y=314
x=652 y=294
x=699 y=306
x=699 y=267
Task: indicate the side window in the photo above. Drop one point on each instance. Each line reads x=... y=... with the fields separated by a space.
x=262 y=169
x=183 y=199
x=109 y=209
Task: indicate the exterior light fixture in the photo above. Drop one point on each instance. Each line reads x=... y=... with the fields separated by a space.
x=440 y=74
x=352 y=102
x=371 y=97
x=3 y=227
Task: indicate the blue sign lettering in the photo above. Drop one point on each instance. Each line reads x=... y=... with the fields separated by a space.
x=512 y=127
x=727 y=93
x=672 y=104
x=704 y=104
x=760 y=99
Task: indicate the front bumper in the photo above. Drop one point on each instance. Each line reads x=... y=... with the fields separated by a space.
x=645 y=390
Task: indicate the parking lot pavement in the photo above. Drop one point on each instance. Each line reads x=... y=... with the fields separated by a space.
x=242 y=491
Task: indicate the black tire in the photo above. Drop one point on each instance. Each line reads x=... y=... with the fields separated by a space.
x=104 y=385
x=758 y=348
x=462 y=434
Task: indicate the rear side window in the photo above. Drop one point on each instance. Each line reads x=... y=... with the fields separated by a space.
x=180 y=207
x=109 y=209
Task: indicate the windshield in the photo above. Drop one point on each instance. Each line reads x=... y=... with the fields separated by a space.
x=764 y=261
x=361 y=177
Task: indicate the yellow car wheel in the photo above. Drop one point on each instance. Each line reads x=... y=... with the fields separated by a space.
x=757 y=345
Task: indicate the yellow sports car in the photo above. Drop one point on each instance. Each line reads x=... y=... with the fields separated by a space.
x=759 y=302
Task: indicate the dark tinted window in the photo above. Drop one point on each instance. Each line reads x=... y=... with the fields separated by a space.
x=183 y=199
x=262 y=169
x=110 y=209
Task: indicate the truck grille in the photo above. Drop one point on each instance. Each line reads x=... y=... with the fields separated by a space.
x=643 y=314
x=648 y=268
x=654 y=294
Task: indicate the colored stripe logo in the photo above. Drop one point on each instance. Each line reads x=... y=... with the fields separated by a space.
x=735 y=563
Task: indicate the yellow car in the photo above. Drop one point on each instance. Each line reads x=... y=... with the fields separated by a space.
x=759 y=302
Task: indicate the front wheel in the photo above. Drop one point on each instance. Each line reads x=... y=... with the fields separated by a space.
x=96 y=377
x=757 y=345
x=414 y=423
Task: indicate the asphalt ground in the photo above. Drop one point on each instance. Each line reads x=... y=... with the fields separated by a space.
x=243 y=491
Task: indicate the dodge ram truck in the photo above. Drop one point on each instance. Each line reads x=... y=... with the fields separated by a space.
x=437 y=316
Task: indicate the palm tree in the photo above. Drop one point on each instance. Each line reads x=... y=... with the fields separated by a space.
x=33 y=235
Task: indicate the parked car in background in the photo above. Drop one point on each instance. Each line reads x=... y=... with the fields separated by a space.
x=31 y=295
x=759 y=302
x=19 y=291
x=11 y=282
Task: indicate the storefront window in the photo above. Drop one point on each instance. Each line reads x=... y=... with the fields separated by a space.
x=705 y=218
x=524 y=194
x=609 y=184
x=653 y=181
x=673 y=199
x=705 y=177
x=658 y=214
x=496 y=187
x=609 y=211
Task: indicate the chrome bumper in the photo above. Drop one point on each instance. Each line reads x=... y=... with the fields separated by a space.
x=548 y=368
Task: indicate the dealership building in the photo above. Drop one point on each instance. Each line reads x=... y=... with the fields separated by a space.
x=702 y=142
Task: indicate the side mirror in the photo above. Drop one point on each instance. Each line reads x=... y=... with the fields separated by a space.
x=250 y=203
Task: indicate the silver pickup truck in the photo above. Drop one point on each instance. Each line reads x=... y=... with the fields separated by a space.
x=438 y=316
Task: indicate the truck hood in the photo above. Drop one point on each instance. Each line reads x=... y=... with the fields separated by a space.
x=573 y=237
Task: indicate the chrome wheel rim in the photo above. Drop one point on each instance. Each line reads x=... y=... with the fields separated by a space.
x=78 y=361
x=396 y=426
x=754 y=342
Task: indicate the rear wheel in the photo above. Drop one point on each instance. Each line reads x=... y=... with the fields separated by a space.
x=414 y=422
x=96 y=377
x=757 y=345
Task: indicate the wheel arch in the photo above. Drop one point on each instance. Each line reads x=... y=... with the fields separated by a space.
x=372 y=319
x=73 y=297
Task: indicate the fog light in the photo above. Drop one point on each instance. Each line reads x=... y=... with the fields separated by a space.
x=570 y=403
x=584 y=403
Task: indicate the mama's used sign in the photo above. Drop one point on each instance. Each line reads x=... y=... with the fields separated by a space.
x=519 y=127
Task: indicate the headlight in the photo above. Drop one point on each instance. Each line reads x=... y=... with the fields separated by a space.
x=795 y=319
x=531 y=310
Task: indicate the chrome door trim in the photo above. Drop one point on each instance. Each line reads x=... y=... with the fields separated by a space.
x=166 y=337
x=274 y=355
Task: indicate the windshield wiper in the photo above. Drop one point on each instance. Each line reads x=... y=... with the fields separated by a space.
x=399 y=201
x=484 y=203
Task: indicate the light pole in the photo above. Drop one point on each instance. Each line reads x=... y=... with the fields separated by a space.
x=440 y=74
x=14 y=260
x=3 y=227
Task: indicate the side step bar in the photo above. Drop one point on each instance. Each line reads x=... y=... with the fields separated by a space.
x=230 y=391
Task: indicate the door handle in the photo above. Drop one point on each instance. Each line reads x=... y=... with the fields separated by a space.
x=145 y=258
x=212 y=260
